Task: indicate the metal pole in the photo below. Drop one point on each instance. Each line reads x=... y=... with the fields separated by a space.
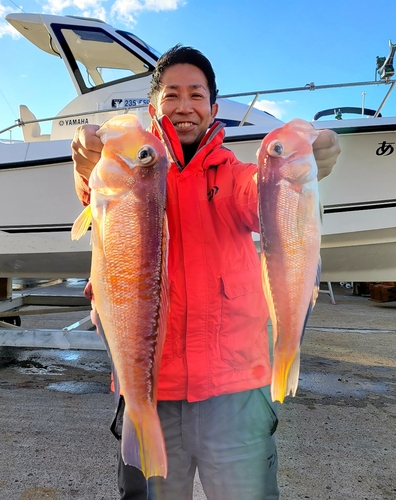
x=384 y=101
x=249 y=109
x=363 y=103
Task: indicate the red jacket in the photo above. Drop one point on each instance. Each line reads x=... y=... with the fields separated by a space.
x=216 y=341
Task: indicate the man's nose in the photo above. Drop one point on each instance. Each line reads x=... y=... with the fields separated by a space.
x=184 y=105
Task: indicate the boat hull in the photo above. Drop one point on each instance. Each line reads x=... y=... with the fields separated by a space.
x=358 y=198
x=39 y=206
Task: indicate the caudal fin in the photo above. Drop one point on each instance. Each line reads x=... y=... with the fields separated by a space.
x=143 y=443
x=285 y=377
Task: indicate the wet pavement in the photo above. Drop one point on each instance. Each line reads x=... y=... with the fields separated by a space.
x=336 y=438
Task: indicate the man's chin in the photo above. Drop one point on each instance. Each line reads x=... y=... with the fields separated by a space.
x=188 y=140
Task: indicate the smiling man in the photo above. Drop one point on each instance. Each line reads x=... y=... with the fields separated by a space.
x=183 y=94
x=213 y=395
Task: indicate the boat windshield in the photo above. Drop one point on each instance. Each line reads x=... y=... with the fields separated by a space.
x=143 y=45
x=97 y=59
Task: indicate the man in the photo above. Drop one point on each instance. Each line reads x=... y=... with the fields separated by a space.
x=213 y=399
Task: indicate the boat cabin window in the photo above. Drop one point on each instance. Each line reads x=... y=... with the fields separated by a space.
x=142 y=44
x=97 y=59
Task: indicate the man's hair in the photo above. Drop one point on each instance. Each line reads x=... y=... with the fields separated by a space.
x=182 y=55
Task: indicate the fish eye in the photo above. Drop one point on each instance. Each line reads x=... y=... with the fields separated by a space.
x=275 y=148
x=146 y=155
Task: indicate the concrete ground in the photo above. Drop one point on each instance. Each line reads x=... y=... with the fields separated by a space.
x=336 y=438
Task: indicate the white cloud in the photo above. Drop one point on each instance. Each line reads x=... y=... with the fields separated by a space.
x=86 y=8
x=124 y=11
x=5 y=28
x=275 y=108
x=127 y=11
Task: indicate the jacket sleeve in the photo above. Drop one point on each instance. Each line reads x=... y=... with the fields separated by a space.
x=82 y=188
x=245 y=194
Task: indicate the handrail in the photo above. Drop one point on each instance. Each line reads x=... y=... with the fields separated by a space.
x=309 y=86
x=21 y=123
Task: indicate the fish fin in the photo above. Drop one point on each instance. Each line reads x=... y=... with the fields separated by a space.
x=285 y=378
x=268 y=296
x=292 y=378
x=99 y=234
x=321 y=211
x=315 y=293
x=100 y=330
x=142 y=443
x=164 y=306
x=82 y=223
x=316 y=288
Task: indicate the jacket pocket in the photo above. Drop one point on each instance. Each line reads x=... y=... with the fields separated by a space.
x=243 y=318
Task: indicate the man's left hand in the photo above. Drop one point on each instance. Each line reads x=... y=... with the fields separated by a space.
x=326 y=149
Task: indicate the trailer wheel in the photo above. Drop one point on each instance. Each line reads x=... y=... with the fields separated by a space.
x=12 y=320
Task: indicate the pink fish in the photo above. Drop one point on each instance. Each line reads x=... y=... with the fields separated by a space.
x=129 y=277
x=290 y=226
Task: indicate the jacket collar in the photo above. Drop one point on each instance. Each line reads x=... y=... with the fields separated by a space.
x=164 y=129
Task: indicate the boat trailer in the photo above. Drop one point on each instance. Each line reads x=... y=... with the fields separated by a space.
x=14 y=306
x=78 y=335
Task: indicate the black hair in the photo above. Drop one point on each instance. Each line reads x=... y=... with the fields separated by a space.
x=183 y=55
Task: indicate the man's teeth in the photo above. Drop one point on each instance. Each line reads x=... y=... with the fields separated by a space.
x=184 y=124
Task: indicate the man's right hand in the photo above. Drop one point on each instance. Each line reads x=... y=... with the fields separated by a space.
x=86 y=148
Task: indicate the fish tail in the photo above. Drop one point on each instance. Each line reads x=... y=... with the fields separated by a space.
x=285 y=378
x=143 y=443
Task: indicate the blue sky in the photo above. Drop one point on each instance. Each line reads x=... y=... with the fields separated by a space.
x=253 y=45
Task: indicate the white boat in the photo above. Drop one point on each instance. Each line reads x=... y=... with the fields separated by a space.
x=111 y=71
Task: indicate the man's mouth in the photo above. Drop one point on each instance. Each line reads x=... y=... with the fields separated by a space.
x=184 y=124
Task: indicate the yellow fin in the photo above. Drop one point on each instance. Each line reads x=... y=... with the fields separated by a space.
x=82 y=223
x=143 y=444
x=285 y=373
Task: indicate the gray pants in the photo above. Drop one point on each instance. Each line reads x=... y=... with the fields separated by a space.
x=228 y=438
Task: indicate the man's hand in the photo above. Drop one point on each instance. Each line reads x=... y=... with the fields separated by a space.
x=86 y=148
x=326 y=149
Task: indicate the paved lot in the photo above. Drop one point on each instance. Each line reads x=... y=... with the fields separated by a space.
x=336 y=438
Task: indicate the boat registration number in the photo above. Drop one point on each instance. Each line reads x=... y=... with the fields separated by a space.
x=129 y=103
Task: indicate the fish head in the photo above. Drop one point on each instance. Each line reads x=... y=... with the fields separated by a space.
x=129 y=154
x=286 y=153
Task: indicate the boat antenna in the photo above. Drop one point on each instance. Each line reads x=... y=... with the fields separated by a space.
x=1 y=92
x=17 y=6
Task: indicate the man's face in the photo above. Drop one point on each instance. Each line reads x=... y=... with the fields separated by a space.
x=185 y=98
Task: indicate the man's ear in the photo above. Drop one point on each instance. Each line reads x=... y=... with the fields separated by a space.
x=215 y=109
x=152 y=111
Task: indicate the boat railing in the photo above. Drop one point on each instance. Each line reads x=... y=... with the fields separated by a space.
x=255 y=96
x=310 y=86
x=21 y=123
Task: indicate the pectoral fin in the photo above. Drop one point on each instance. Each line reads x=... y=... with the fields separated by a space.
x=82 y=223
